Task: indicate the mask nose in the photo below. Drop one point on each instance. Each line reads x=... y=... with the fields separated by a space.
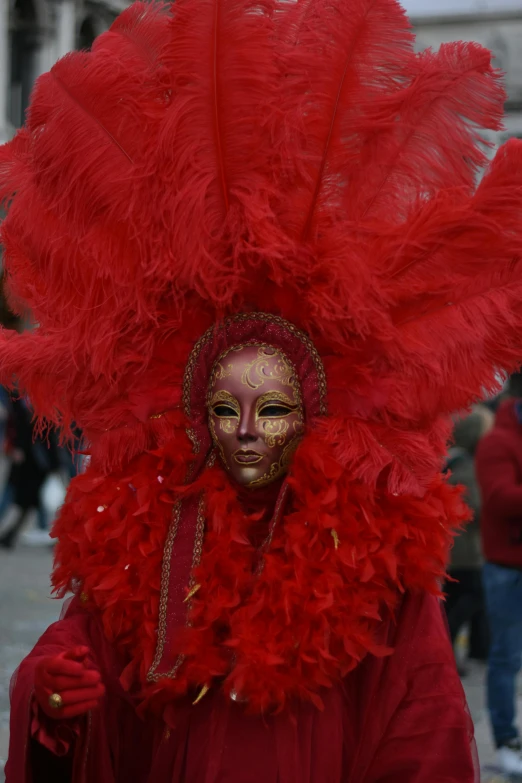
x=246 y=432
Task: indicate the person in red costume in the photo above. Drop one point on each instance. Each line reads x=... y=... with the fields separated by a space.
x=263 y=278
x=498 y=462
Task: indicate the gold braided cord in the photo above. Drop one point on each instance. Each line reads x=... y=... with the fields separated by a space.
x=152 y=676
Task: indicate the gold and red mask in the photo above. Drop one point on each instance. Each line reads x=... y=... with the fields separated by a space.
x=256 y=416
x=251 y=385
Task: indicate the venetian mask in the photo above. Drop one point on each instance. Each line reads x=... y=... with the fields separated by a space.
x=255 y=413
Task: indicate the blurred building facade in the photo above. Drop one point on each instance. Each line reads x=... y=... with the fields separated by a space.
x=499 y=31
x=33 y=35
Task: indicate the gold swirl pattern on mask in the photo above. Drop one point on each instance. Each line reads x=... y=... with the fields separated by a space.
x=257 y=371
x=279 y=468
x=299 y=427
x=223 y=397
x=275 y=397
x=217 y=442
x=221 y=372
x=266 y=318
x=275 y=432
x=208 y=336
x=236 y=349
x=227 y=424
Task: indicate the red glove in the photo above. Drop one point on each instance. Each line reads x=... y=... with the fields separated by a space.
x=68 y=676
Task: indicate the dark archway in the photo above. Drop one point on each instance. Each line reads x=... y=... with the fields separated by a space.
x=87 y=34
x=25 y=36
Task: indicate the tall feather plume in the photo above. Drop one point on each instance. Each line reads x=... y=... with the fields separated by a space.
x=451 y=278
x=79 y=169
x=337 y=60
x=456 y=308
x=427 y=135
x=221 y=59
x=143 y=25
x=84 y=154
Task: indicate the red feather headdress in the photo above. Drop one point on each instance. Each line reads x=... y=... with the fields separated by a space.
x=217 y=157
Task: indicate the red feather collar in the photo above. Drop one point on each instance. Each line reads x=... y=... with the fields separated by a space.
x=303 y=623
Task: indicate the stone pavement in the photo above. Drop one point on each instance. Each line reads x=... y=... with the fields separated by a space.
x=26 y=610
x=474 y=685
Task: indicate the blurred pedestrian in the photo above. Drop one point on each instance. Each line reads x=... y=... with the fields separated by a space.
x=5 y=407
x=465 y=597
x=32 y=461
x=499 y=472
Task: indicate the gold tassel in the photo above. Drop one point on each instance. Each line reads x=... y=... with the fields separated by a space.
x=205 y=689
x=336 y=538
x=191 y=593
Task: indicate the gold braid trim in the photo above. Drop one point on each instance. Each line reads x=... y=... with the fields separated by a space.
x=153 y=675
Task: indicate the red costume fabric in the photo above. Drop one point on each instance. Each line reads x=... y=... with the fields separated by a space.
x=216 y=174
x=395 y=718
x=499 y=471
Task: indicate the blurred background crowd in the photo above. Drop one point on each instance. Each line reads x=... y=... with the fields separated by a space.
x=484 y=587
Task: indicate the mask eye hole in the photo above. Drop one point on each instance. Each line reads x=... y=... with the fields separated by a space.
x=224 y=411
x=274 y=411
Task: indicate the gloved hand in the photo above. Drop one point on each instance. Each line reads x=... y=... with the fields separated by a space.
x=68 y=676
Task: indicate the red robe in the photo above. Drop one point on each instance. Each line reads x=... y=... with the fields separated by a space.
x=398 y=719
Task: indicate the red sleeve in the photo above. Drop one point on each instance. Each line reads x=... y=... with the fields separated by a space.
x=498 y=478
x=57 y=736
x=27 y=723
x=429 y=736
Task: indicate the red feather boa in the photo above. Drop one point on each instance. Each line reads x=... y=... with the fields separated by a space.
x=311 y=615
